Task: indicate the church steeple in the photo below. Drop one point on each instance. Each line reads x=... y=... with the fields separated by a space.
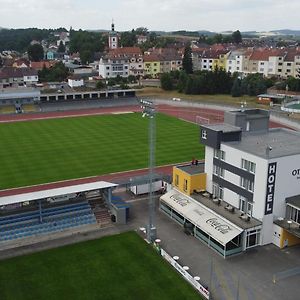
x=113 y=37
x=112 y=26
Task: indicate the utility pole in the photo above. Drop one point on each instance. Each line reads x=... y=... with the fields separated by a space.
x=149 y=111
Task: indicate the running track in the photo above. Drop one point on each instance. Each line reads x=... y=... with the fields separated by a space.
x=185 y=113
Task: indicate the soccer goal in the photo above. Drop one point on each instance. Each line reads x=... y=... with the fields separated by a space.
x=201 y=120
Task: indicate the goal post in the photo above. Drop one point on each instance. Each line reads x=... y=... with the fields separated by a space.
x=201 y=120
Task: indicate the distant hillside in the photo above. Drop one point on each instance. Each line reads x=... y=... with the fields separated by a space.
x=287 y=32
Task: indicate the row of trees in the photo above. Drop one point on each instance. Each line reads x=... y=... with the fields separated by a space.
x=200 y=82
x=235 y=37
x=217 y=81
x=252 y=85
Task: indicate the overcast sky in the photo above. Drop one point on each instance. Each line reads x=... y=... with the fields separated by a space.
x=168 y=15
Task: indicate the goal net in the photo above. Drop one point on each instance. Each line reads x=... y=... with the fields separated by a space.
x=201 y=120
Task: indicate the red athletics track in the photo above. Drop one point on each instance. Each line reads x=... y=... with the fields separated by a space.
x=186 y=113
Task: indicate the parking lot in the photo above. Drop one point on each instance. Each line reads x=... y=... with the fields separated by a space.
x=246 y=276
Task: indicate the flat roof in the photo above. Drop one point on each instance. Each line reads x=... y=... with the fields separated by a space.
x=294 y=201
x=213 y=224
x=78 y=188
x=223 y=127
x=283 y=142
x=16 y=94
x=233 y=217
x=251 y=113
x=192 y=169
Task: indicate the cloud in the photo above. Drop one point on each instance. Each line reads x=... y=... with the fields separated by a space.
x=215 y=15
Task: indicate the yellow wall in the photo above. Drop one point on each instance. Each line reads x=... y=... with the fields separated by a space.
x=194 y=182
x=292 y=240
x=152 y=68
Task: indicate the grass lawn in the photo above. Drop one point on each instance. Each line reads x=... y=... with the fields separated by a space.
x=214 y=99
x=42 y=151
x=112 y=268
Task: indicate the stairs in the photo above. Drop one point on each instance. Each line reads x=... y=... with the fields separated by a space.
x=100 y=210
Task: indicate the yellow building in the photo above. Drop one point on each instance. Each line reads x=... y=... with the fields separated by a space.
x=188 y=178
x=220 y=61
x=151 y=65
x=286 y=233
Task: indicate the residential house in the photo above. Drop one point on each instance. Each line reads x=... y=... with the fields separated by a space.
x=21 y=63
x=75 y=81
x=16 y=77
x=141 y=39
x=211 y=59
x=39 y=65
x=123 y=62
x=152 y=65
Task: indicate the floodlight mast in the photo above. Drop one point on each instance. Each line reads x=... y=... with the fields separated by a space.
x=149 y=111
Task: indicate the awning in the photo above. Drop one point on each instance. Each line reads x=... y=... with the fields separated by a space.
x=204 y=218
x=293 y=201
x=55 y=192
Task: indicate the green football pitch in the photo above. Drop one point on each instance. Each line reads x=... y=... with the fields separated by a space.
x=42 y=151
x=111 y=268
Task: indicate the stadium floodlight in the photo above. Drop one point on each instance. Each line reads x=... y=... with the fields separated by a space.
x=149 y=111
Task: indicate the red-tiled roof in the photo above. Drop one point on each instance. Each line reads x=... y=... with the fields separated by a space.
x=151 y=58
x=124 y=52
x=291 y=53
x=265 y=53
x=9 y=72
x=39 y=65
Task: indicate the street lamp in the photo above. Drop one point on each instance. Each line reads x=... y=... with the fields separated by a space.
x=149 y=111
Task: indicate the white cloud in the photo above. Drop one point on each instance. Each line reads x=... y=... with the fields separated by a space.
x=154 y=14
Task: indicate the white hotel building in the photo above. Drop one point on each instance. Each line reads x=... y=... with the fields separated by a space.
x=252 y=194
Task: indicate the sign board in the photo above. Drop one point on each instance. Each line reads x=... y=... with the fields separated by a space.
x=270 y=188
x=211 y=223
x=199 y=287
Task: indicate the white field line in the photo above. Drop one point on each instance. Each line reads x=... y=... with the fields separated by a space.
x=61 y=117
x=88 y=177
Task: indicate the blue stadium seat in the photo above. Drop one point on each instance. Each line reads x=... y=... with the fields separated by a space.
x=54 y=219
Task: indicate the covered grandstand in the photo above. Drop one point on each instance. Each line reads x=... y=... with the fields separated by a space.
x=52 y=210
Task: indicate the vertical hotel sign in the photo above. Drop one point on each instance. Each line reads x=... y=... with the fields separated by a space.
x=270 y=188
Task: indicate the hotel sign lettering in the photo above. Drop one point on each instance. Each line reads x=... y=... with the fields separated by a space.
x=270 y=188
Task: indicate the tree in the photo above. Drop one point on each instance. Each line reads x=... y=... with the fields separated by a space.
x=57 y=73
x=61 y=47
x=187 y=63
x=236 y=90
x=236 y=37
x=128 y=39
x=35 y=52
x=100 y=85
x=166 y=81
x=86 y=56
x=141 y=31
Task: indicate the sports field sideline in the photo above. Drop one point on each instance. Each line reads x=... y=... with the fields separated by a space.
x=42 y=151
x=111 y=268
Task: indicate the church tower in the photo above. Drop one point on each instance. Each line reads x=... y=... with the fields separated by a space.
x=113 y=38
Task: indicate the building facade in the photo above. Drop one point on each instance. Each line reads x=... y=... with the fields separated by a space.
x=252 y=185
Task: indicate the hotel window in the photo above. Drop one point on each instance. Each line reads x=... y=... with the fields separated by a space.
x=248 y=165
x=218 y=192
x=185 y=185
x=247 y=184
x=220 y=154
x=176 y=180
x=253 y=238
x=245 y=206
x=218 y=171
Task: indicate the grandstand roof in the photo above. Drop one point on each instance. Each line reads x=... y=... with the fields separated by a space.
x=55 y=192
